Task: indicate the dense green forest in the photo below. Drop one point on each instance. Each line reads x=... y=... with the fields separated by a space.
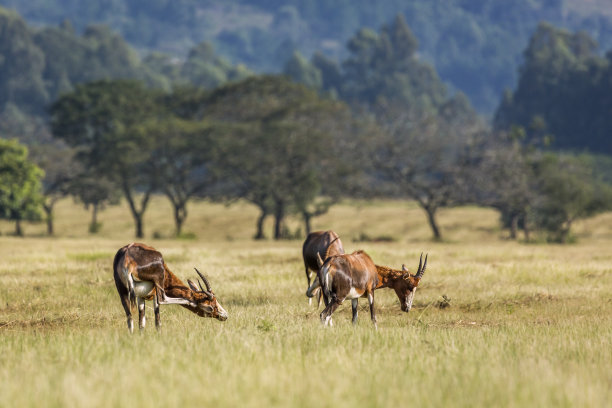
x=474 y=45
x=104 y=120
x=564 y=93
x=37 y=65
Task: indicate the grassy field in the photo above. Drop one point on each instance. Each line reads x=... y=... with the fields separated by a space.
x=526 y=325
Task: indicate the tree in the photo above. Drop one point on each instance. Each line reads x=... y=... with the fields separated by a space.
x=431 y=159
x=564 y=87
x=567 y=191
x=505 y=179
x=384 y=68
x=103 y=120
x=181 y=165
x=276 y=141
x=20 y=184
x=21 y=66
x=96 y=192
x=303 y=72
x=60 y=167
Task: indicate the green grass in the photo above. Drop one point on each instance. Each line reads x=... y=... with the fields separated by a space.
x=527 y=325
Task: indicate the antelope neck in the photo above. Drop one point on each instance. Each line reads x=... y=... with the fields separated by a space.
x=387 y=275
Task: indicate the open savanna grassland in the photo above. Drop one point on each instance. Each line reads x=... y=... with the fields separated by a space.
x=526 y=324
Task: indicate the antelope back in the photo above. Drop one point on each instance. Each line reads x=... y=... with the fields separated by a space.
x=324 y=243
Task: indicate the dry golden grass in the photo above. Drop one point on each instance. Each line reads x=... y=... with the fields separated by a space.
x=525 y=324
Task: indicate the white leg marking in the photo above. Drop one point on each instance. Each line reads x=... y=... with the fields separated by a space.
x=142 y=321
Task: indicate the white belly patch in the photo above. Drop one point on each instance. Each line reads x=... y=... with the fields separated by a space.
x=353 y=294
x=142 y=289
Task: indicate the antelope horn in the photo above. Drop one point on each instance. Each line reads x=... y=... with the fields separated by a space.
x=204 y=279
x=422 y=271
x=200 y=285
x=329 y=247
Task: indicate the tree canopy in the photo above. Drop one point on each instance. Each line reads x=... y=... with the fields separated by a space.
x=20 y=184
x=563 y=90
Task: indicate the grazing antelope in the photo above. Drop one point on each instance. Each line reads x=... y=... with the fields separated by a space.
x=141 y=274
x=316 y=243
x=355 y=275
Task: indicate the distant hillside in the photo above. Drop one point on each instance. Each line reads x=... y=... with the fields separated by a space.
x=476 y=46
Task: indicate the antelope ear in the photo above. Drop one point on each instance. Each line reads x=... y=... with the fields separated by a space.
x=404 y=268
x=192 y=285
x=319 y=260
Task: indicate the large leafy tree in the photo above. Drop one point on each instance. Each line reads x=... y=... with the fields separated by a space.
x=563 y=89
x=182 y=155
x=431 y=159
x=20 y=184
x=94 y=192
x=383 y=68
x=61 y=169
x=103 y=119
x=276 y=142
x=567 y=191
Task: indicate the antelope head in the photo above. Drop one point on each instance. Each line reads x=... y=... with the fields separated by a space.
x=406 y=286
x=205 y=302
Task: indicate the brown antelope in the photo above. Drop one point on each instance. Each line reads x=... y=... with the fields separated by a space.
x=355 y=275
x=316 y=243
x=141 y=274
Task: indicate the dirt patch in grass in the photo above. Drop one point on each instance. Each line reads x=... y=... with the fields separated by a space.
x=525 y=300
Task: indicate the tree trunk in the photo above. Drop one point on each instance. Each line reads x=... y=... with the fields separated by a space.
x=565 y=230
x=49 y=218
x=18 y=230
x=93 y=226
x=180 y=214
x=431 y=217
x=139 y=228
x=307 y=222
x=136 y=213
x=526 y=229
x=94 y=215
x=260 y=223
x=514 y=226
x=279 y=216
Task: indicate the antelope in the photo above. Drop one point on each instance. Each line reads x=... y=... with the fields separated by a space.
x=141 y=274
x=355 y=275
x=316 y=243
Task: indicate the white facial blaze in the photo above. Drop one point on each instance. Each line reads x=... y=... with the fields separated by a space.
x=222 y=311
x=409 y=300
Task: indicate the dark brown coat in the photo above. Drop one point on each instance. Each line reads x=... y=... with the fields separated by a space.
x=323 y=244
x=141 y=274
x=355 y=275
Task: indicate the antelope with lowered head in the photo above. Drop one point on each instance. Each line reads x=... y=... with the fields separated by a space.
x=316 y=243
x=355 y=275
x=141 y=274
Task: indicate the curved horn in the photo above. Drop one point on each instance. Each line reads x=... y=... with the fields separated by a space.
x=422 y=271
x=200 y=285
x=209 y=291
x=329 y=247
x=204 y=279
x=319 y=260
